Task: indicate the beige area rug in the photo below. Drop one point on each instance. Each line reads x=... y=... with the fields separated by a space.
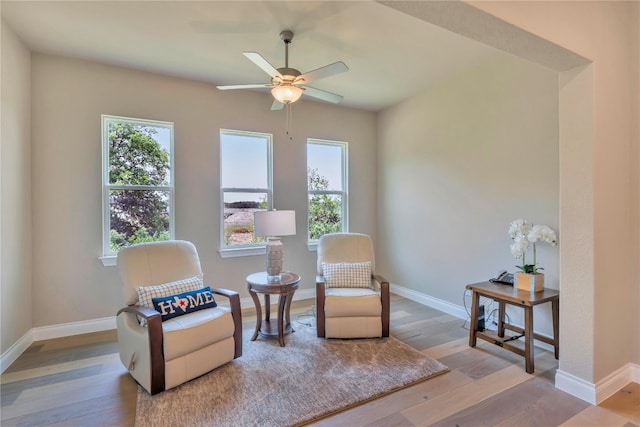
x=277 y=386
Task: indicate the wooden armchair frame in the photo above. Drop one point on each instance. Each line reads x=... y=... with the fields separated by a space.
x=156 y=336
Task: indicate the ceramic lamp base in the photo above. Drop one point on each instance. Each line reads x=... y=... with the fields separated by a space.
x=530 y=282
x=273 y=258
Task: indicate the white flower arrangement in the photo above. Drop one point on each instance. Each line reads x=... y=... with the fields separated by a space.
x=522 y=234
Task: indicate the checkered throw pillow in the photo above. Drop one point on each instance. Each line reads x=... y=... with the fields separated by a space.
x=347 y=274
x=147 y=293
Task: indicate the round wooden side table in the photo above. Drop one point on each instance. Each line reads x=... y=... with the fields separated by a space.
x=260 y=283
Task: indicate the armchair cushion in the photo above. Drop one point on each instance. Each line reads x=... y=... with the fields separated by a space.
x=351 y=303
x=347 y=274
x=147 y=293
x=189 y=333
x=187 y=302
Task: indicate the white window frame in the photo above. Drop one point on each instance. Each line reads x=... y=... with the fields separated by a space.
x=227 y=251
x=312 y=244
x=109 y=257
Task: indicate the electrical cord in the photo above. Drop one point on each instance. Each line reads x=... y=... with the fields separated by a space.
x=309 y=313
x=491 y=319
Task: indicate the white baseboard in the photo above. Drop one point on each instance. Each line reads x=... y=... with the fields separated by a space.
x=54 y=331
x=247 y=302
x=452 y=309
x=13 y=352
x=94 y=325
x=603 y=389
x=591 y=393
x=576 y=386
x=73 y=328
x=429 y=301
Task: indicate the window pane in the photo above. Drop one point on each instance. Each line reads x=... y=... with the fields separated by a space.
x=244 y=160
x=138 y=216
x=238 y=217
x=139 y=154
x=324 y=166
x=325 y=214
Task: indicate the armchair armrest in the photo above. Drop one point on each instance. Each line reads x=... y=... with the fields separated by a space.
x=236 y=312
x=379 y=278
x=386 y=303
x=144 y=312
x=156 y=344
x=320 y=289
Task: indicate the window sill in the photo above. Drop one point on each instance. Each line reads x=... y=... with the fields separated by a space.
x=112 y=260
x=312 y=246
x=109 y=261
x=236 y=252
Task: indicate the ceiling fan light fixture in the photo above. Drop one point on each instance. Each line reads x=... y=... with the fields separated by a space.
x=286 y=93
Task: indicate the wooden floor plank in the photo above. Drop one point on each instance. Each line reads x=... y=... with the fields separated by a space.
x=80 y=381
x=533 y=402
x=596 y=416
x=41 y=371
x=435 y=410
x=448 y=348
x=626 y=402
x=406 y=398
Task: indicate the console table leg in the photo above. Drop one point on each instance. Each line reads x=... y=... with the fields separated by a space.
x=528 y=339
x=473 y=322
x=555 y=312
x=501 y=309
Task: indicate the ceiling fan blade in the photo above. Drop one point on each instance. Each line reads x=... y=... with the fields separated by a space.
x=322 y=72
x=322 y=94
x=277 y=105
x=247 y=86
x=259 y=60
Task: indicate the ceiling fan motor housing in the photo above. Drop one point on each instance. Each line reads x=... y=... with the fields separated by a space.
x=286 y=36
x=289 y=74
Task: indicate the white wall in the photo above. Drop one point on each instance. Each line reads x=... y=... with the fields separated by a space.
x=15 y=178
x=635 y=192
x=69 y=282
x=601 y=192
x=458 y=163
x=636 y=114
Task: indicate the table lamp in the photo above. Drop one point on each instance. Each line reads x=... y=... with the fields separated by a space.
x=274 y=224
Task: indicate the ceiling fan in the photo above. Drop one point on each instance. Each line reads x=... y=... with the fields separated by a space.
x=288 y=84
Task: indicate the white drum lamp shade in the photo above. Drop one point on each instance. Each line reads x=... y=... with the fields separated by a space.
x=273 y=225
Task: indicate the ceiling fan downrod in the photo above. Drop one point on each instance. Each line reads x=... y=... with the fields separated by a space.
x=287 y=37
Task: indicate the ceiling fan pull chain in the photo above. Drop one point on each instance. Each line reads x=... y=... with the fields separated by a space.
x=289 y=115
x=289 y=121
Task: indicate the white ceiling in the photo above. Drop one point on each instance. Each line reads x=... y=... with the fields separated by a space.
x=391 y=55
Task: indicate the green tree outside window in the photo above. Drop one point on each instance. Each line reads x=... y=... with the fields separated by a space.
x=137 y=159
x=325 y=210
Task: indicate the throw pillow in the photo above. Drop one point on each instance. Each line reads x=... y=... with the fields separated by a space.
x=347 y=274
x=147 y=293
x=187 y=302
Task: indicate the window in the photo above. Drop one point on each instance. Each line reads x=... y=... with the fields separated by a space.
x=327 y=187
x=246 y=187
x=137 y=182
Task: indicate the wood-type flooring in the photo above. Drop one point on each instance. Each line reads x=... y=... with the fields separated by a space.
x=80 y=381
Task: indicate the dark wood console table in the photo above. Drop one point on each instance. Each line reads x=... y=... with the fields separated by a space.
x=259 y=283
x=505 y=294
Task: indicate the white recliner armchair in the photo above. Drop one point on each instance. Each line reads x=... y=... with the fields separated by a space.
x=163 y=354
x=351 y=300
